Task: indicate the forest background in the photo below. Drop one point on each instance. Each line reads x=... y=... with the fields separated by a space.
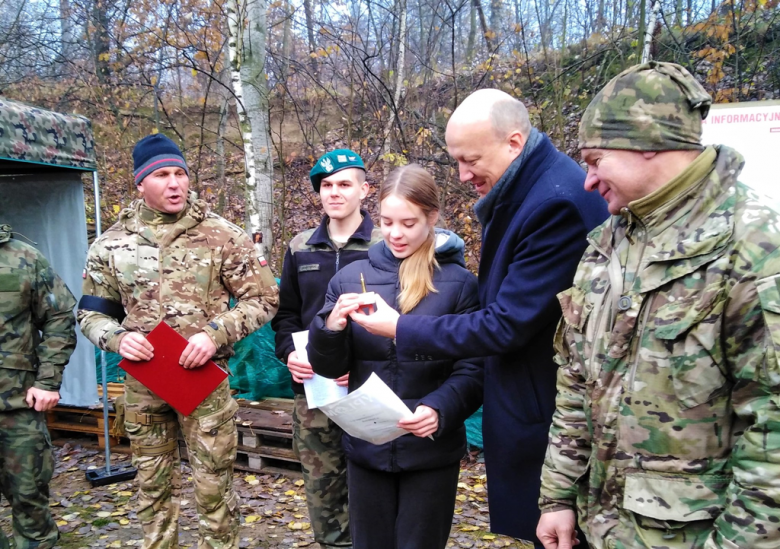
x=254 y=91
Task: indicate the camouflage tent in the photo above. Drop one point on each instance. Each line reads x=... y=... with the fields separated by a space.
x=30 y=134
x=43 y=155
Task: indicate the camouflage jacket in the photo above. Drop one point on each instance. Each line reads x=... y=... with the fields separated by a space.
x=186 y=279
x=667 y=424
x=37 y=326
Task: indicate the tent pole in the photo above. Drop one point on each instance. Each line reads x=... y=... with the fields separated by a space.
x=96 y=187
x=97 y=478
x=98 y=231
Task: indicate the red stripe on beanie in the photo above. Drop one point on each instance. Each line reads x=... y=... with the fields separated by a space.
x=146 y=168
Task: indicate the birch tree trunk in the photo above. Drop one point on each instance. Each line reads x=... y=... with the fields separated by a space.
x=399 y=78
x=247 y=29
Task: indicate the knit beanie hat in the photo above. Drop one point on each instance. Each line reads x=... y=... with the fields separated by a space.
x=154 y=152
x=650 y=107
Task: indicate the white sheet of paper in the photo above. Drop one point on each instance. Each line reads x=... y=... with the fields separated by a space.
x=370 y=413
x=319 y=390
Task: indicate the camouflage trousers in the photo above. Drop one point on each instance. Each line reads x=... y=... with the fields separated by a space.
x=211 y=436
x=26 y=468
x=317 y=443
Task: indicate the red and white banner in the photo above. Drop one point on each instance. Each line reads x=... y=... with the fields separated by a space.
x=754 y=130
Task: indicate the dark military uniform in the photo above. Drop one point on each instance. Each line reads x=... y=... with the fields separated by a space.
x=37 y=337
x=309 y=264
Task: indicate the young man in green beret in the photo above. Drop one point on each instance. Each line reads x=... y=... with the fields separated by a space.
x=343 y=236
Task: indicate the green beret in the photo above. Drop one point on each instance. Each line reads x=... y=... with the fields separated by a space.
x=650 y=107
x=332 y=162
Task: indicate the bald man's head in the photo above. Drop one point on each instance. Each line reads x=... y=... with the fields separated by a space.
x=504 y=113
x=485 y=134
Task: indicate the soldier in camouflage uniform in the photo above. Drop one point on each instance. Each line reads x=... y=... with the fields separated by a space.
x=667 y=427
x=37 y=337
x=168 y=259
x=314 y=256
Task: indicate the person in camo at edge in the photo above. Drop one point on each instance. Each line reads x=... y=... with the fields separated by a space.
x=169 y=259
x=314 y=256
x=37 y=338
x=666 y=432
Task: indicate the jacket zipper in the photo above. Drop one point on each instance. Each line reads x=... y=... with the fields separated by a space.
x=640 y=333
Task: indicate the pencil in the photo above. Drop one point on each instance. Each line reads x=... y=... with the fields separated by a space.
x=362 y=282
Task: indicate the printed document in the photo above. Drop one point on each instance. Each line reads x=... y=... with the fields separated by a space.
x=319 y=390
x=370 y=413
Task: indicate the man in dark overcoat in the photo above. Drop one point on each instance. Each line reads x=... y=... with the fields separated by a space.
x=535 y=215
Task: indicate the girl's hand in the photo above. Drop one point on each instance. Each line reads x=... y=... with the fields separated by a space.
x=424 y=422
x=337 y=319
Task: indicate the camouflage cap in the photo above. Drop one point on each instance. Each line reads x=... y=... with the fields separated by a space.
x=332 y=162
x=650 y=107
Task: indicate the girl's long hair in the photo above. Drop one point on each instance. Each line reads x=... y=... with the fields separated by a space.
x=414 y=184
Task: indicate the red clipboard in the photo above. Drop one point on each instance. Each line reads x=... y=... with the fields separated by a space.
x=183 y=389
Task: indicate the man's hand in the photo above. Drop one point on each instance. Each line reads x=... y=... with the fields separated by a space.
x=382 y=322
x=423 y=423
x=199 y=350
x=347 y=304
x=300 y=369
x=556 y=530
x=41 y=399
x=134 y=346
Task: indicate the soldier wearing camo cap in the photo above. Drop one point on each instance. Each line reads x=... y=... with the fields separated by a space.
x=666 y=432
x=37 y=337
x=168 y=259
x=314 y=256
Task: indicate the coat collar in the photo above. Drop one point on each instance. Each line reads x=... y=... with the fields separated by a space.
x=529 y=173
x=697 y=225
x=320 y=236
x=130 y=219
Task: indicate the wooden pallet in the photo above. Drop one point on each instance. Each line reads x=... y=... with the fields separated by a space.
x=264 y=438
x=264 y=432
x=72 y=419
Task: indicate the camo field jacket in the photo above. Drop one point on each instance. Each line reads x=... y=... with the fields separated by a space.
x=37 y=326
x=185 y=279
x=666 y=432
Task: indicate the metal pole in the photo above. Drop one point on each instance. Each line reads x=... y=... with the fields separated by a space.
x=98 y=231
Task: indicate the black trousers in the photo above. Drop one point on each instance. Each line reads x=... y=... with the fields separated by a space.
x=407 y=510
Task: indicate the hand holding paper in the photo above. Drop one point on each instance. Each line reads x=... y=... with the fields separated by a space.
x=300 y=369
x=319 y=390
x=424 y=422
x=371 y=413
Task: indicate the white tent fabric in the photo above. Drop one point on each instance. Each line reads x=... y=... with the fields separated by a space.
x=48 y=208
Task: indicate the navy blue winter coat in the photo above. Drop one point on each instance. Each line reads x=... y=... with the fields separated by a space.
x=530 y=250
x=453 y=388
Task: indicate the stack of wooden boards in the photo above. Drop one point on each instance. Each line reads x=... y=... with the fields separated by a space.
x=264 y=432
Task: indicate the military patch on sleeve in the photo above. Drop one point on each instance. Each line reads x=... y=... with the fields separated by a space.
x=308 y=268
x=263 y=262
x=84 y=274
